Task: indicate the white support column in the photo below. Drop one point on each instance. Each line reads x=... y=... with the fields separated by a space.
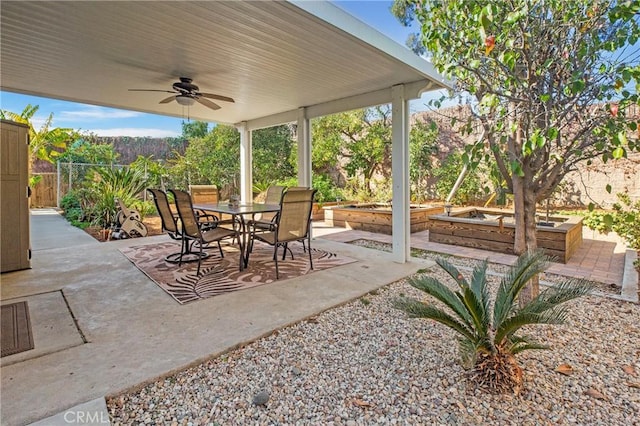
x=304 y=148
x=401 y=227
x=246 y=167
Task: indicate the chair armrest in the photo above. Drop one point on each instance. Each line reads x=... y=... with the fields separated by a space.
x=263 y=225
x=206 y=220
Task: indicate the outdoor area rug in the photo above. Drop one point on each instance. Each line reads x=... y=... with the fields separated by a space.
x=15 y=328
x=221 y=275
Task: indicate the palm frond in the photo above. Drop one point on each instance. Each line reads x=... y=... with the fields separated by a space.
x=478 y=313
x=435 y=288
x=468 y=353
x=417 y=309
x=452 y=271
x=523 y=317
x=8 y=115
x=560 y=293
x=523 y=343
x=479 y=288
x=470 y=348
x=526 y=267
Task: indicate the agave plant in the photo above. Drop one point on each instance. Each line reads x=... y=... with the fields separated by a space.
x=488 y=334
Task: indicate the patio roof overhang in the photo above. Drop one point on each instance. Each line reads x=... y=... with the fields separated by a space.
x=271 y=57
x=281 y=61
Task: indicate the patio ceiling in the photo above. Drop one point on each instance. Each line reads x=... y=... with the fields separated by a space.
x=271 y=57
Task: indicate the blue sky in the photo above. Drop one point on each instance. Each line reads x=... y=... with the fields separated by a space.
x=114 y=122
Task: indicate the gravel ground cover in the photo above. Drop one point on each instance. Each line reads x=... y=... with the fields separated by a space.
x=467 y=264
x=367 y=363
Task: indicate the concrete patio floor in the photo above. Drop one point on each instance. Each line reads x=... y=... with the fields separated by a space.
x=121 y=329
x=101 y=326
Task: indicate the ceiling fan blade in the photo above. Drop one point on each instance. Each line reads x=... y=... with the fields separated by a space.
x=208 y=103
x=218 y=97
x=151 y=90
x=169 y=99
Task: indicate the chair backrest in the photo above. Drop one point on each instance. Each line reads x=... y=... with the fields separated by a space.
x=188 y=218
x=203 y=194
x=169 y=223
x=294 y=219
x=274 y=196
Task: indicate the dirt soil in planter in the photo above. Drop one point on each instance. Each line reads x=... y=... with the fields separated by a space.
x=153 y=224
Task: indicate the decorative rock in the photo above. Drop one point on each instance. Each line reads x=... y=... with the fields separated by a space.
x=261 y=398
x=405 y=369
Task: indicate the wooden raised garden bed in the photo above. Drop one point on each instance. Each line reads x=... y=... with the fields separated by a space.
x=494 y=230
x=376 y=217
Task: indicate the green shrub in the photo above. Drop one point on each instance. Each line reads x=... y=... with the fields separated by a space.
x=73 y=211
x=74 y=214
x=489 y=334
x=472 y=188
x=145 y=208
x=355 y=191
x=69 y=201
x=624 y=220
x=327 y=190
x=105 y=187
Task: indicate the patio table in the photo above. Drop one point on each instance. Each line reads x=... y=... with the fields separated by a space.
x=239 y=212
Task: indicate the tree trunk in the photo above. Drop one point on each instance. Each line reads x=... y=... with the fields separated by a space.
x=367 y=181
x=520 y=242
x=532 y=289
x=525 y=238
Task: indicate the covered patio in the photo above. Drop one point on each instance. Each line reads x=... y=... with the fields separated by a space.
x=281 y=62
x=101 y=326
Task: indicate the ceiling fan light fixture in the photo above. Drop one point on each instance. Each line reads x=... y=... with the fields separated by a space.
x=185 y=100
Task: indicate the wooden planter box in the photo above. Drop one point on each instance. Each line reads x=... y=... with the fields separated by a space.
x=375 y=217
x=317 y=213
x=495 y=234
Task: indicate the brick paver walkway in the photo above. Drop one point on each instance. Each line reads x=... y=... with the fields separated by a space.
x=600 y=257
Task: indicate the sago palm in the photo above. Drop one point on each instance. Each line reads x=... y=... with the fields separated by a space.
x=488 y=339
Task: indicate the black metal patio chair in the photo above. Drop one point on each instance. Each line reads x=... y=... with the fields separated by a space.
x=192 y=232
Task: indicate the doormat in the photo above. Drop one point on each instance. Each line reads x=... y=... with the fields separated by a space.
x=15 y=328
x=221 y=275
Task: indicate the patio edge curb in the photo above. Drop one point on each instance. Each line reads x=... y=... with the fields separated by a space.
x=630 y=277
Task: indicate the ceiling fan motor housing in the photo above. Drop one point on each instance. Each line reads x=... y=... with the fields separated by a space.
x=186 y=93
x=185 y=85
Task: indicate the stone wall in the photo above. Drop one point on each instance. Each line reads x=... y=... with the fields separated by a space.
x=589 y=183
x=580 y=188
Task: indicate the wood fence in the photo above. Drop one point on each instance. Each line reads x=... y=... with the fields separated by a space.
x=43 y=194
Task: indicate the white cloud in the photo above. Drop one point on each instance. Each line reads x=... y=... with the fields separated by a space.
x=97 y=113
x=38 y=122
x=130 y=131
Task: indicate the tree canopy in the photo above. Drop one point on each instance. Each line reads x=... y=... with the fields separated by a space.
x=212 y=159
x=362 y=137
x=194 y=129
x=46 y=143
x=272 y=154
x=553 y=83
